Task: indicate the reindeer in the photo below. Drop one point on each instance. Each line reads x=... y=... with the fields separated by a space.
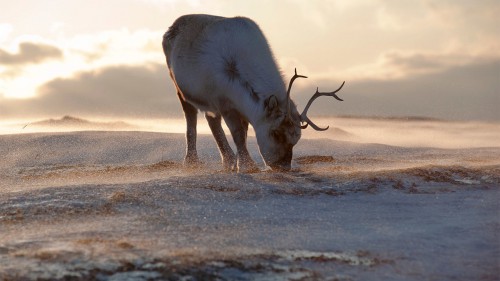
x=225 y=67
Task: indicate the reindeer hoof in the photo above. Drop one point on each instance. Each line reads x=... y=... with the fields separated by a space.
x=248 y=168
x=192 y=161
x=249 y=171
x=229 y=164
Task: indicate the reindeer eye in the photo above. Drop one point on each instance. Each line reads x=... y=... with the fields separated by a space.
x=278 y=136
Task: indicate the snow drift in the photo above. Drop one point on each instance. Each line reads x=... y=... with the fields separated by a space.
x=119 y=205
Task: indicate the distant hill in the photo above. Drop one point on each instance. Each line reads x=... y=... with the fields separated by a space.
x=79 y=123
x=393 y=118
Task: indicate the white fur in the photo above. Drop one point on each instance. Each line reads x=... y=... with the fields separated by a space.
x=199 y=51
x=200 y=69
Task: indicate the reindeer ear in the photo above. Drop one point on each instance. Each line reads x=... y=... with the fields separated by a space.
x=271 y=105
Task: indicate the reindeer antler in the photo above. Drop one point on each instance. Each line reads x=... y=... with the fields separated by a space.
x=303 y=115
x=295 y=76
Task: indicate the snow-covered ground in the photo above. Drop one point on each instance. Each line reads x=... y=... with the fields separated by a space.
x=100 y=205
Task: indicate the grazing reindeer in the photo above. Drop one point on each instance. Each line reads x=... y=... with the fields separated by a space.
x=224 y=67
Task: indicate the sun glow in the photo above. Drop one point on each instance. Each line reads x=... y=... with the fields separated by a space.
x=81 y=53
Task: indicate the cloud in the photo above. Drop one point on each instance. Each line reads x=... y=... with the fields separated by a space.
x=458 y=92
x=82 y=53
x=399 y=64
x=192 y=3
x=30 y=53
x=463 y=92
x=124 y=91
x=5 y=30
x=464 y=12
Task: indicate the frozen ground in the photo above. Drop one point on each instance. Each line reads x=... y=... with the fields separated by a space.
x=119 y=206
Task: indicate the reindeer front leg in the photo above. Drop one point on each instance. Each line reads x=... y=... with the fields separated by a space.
x=239 y=128
x=227 y=154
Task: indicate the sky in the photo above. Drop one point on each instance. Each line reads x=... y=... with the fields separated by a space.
x=430 y=58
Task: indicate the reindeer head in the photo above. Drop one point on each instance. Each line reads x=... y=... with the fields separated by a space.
x=282 y=129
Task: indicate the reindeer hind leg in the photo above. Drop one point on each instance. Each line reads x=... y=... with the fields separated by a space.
x=190 y=114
